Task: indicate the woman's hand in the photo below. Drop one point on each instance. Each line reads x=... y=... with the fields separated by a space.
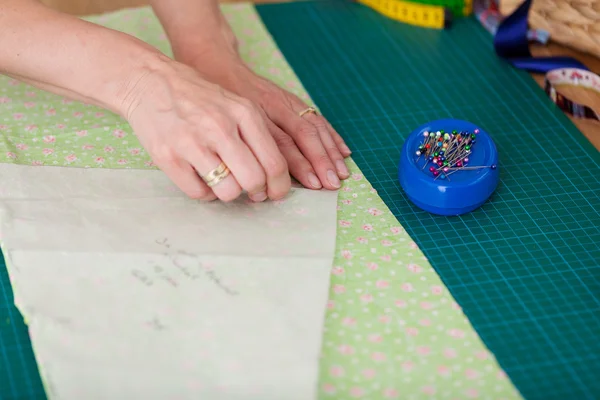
x=201 y=37
x=315 y=152
x=188 y=126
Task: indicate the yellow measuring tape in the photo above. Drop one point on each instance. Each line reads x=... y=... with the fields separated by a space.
x=468 y=9
x=424 y=15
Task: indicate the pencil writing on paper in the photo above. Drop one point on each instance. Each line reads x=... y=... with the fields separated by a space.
x=176 y=259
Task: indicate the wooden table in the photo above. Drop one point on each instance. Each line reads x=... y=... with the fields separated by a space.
x=591 y=129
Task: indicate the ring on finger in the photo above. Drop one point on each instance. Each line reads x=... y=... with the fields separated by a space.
x=215 y=176
x=218 y=178
x=308 y=110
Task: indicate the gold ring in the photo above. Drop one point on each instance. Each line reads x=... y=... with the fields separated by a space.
x=218 y=178
x=308 y=110
x=216 y=175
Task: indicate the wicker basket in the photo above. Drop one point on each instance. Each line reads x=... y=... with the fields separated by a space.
x=572 y=23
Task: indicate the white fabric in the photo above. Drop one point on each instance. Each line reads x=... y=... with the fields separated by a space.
x=133 y=291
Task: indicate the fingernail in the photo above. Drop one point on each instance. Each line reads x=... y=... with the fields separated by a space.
x=333 y=179
x=341 y=167
x=261 y=196
x=346 y=149
x=314 y=181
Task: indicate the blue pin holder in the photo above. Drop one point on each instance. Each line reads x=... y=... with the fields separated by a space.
x=460 y=192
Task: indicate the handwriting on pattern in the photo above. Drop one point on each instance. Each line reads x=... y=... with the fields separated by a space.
x=176 y=262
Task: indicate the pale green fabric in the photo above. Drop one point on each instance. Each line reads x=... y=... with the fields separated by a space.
x=392 y=329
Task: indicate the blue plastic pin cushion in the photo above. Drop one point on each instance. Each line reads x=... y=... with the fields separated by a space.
x=449 y=167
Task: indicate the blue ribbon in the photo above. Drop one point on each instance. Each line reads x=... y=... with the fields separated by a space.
x=512 y=44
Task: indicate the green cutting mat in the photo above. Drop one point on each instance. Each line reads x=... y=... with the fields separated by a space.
x=526 y=266
x=382 y=124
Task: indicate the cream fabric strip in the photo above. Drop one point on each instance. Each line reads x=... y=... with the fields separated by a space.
x=131 y=290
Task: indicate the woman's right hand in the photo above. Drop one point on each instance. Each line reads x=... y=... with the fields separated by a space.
x=188 y=126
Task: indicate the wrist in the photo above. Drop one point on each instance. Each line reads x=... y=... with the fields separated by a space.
x=189 y=37
x=147 y=80
x=206 y=47
x=134 y=80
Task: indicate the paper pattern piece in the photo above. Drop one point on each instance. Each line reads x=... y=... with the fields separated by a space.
x=134 y=291
x=392 y=330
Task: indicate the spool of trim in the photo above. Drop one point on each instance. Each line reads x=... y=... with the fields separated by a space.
x=464 y=189
x=572 y=77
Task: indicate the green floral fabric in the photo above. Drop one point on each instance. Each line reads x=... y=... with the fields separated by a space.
x=392 y=330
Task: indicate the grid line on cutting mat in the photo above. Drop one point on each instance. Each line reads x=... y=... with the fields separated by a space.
x=526 y=266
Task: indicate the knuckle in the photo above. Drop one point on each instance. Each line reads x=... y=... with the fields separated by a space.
x=284 y=141
x=299 y=165
x=244 y=108
x=267 y=98
x=247 y=104
x=221 y=124
x=276 y=166
x=334 y=152
x=320 y=124
x=308 y=130
x=188 y=140
x=186 y=104
x=193 y=150
x=212 y=118
x=221 y=129
x=281 y=191
x=322 y=159
x=257 y=181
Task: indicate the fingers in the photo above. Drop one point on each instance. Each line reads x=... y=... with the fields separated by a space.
x=185 y=178
x=328 y=143
x=246 y=147
x=298 y=165
x=247 y=171
x=338 y=140
x=308 y=140
x=205 y=161
x=200 y=161
x=254 y=132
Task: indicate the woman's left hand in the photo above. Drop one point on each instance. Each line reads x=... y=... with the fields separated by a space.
x=314 y=151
